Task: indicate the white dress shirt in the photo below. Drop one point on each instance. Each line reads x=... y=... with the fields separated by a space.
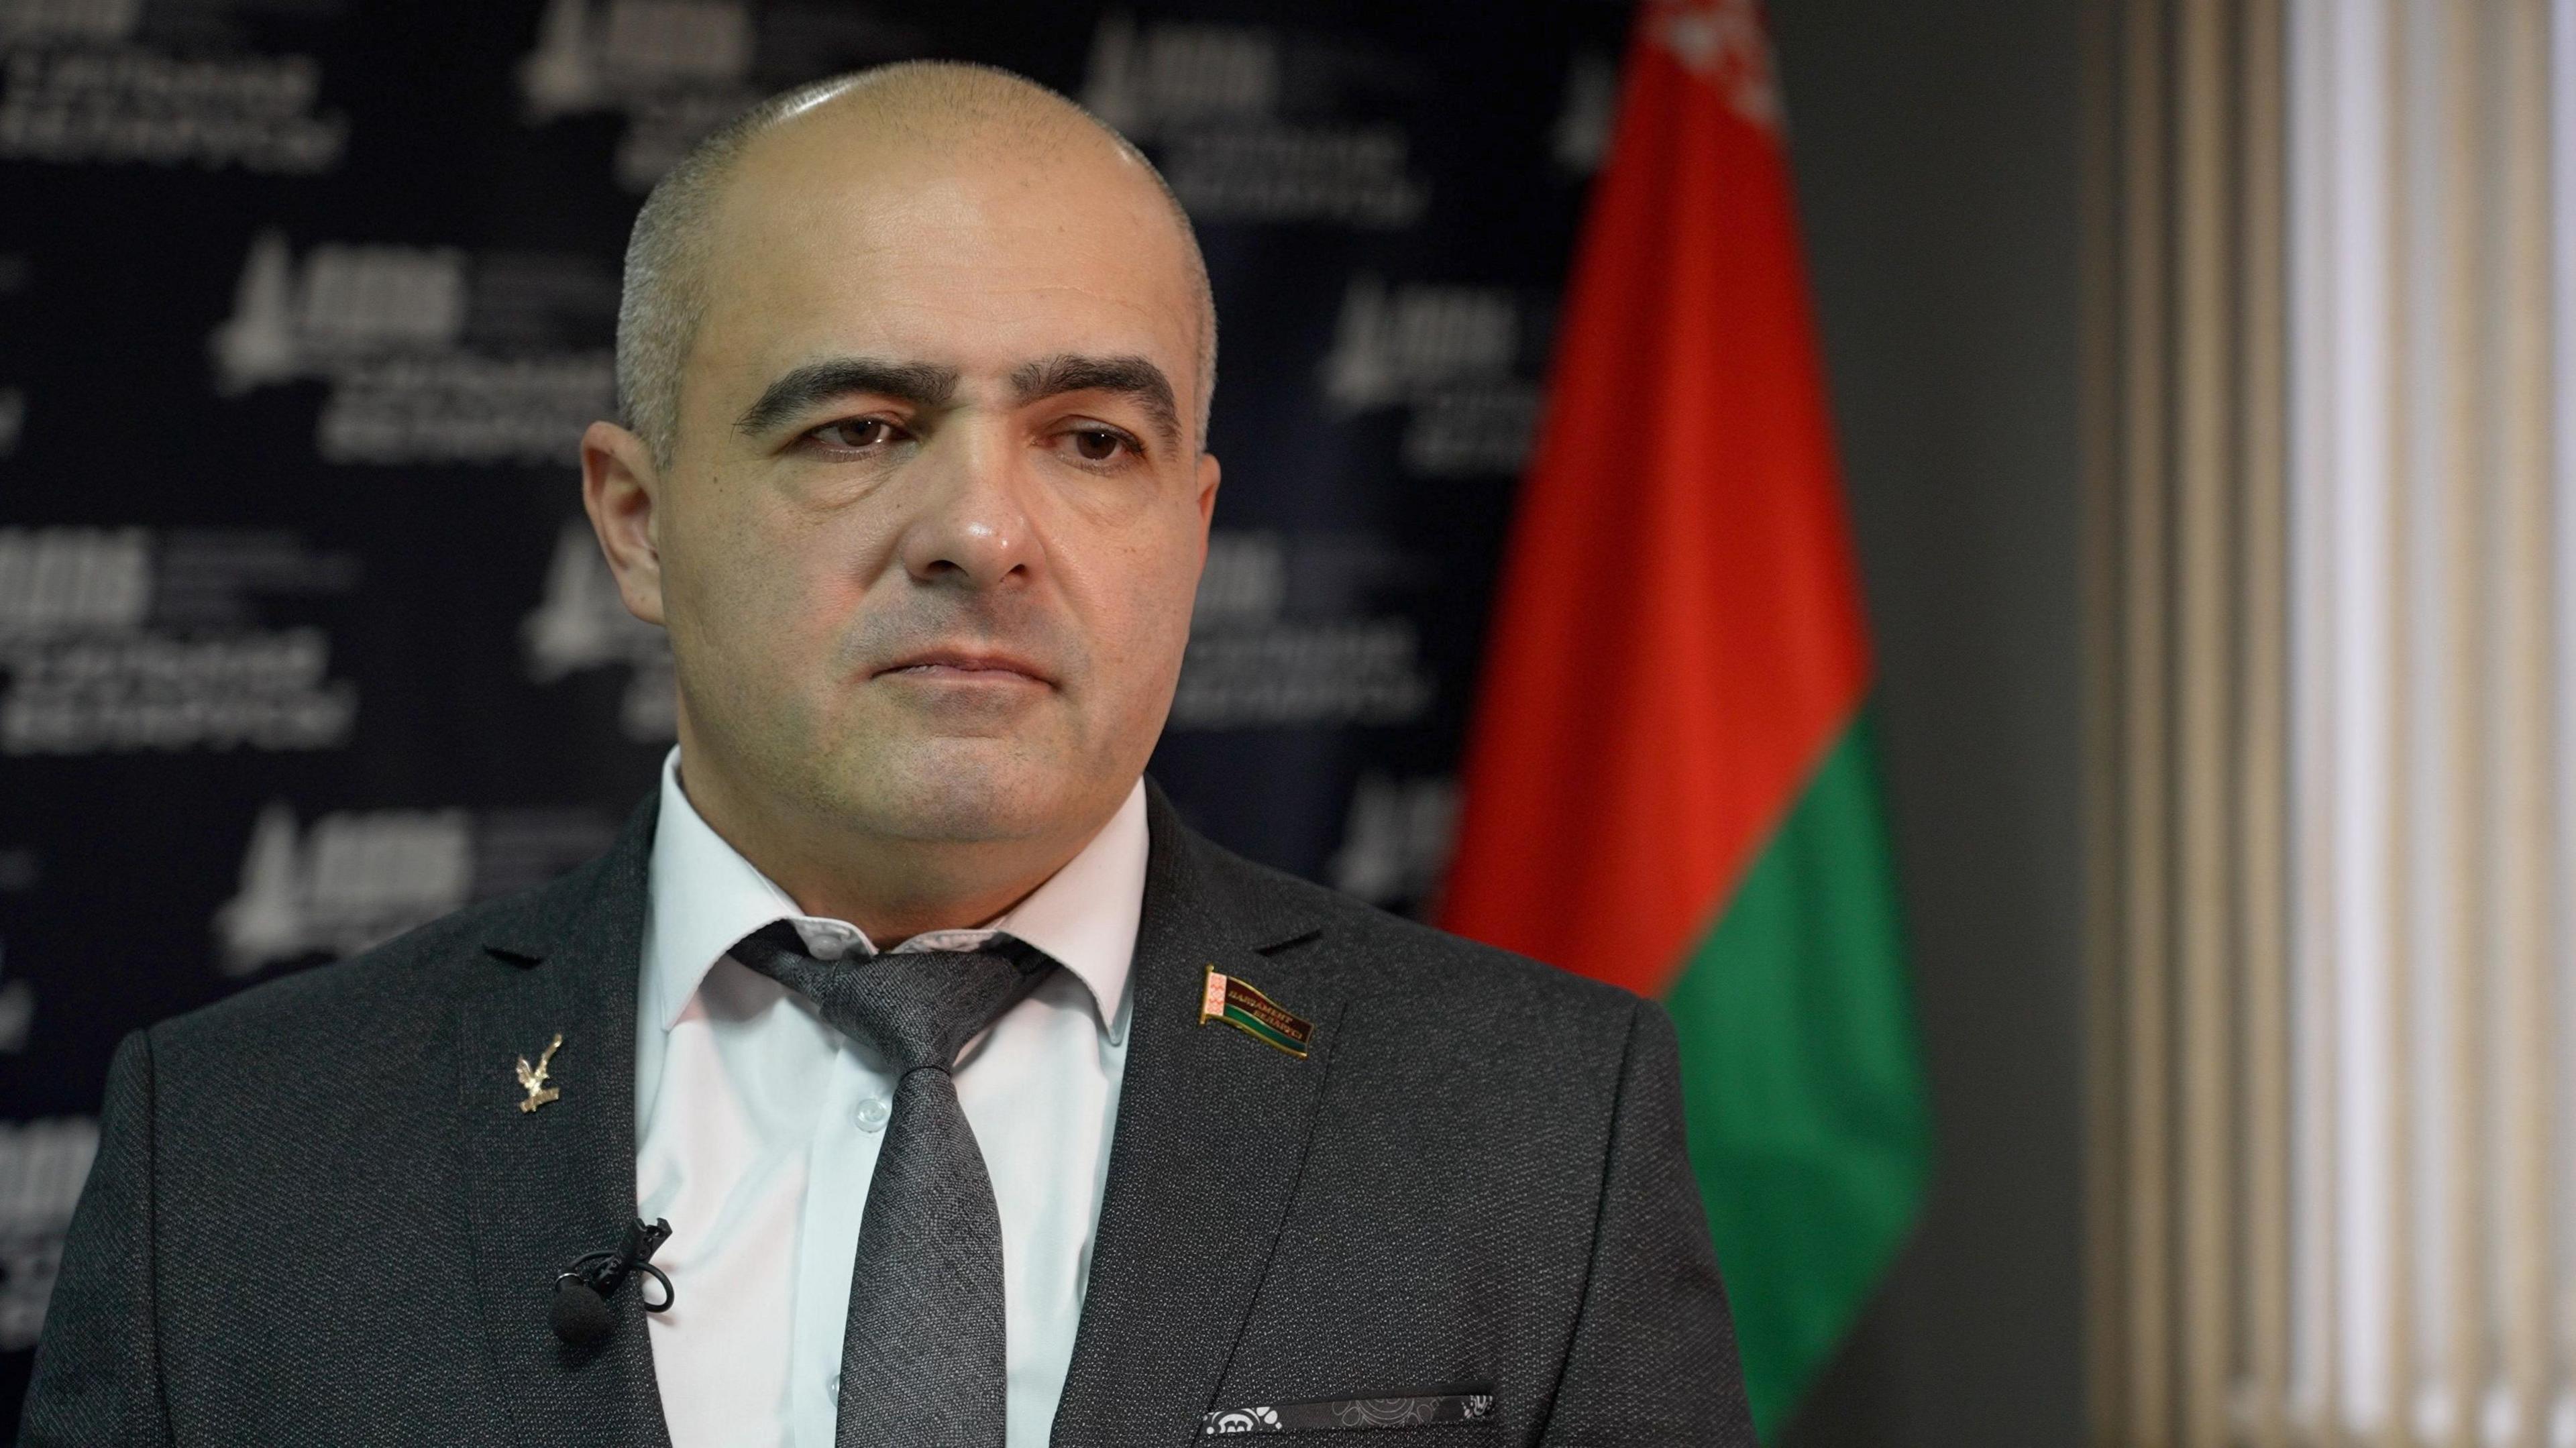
x=757 y=1127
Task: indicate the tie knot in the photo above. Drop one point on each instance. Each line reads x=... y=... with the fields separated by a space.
x=915 y=1008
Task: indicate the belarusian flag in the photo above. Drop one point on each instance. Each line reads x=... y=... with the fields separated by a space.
x=1671 y=782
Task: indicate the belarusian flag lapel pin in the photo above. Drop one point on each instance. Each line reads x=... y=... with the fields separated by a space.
x=1232 y=1000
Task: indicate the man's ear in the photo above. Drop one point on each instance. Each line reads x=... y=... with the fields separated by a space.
x=619 y=489
x=1208 y=477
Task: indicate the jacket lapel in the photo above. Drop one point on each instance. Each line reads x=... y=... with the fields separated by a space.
x=1211 y=1133
x=548 y=1185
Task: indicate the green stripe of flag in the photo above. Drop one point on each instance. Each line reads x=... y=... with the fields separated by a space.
x=1259 y=1027
x=1809 y=1127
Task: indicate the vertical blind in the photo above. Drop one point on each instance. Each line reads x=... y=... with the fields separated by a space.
x=2333 y=1171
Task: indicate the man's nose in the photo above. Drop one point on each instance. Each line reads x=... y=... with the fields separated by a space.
x=969 y=525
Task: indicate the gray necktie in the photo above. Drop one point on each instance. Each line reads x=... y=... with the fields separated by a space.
x=922 y=1359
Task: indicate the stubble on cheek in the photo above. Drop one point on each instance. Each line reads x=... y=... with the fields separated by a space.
x=750 y=647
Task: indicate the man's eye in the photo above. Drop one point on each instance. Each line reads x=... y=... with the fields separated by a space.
x=1097 y=444
x=855 y=433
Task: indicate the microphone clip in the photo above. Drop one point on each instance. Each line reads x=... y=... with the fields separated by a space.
x=581 y=1315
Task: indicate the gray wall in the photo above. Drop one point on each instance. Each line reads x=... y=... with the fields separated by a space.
x=1937 y=151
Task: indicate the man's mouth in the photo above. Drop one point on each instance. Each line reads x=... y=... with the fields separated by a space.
x=965 y=666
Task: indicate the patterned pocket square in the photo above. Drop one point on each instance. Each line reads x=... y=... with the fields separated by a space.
x=1333 y=1414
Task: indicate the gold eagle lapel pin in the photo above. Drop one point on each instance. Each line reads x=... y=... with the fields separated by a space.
x=1232 y=1000
x=533 y=1078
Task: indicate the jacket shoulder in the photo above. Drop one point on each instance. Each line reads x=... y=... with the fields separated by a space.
x=1394 y=955
x=381 y=991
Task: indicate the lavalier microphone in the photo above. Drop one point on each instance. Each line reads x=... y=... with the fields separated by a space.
x=581 y=1314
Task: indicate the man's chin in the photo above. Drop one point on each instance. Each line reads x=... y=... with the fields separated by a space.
x=969 y=792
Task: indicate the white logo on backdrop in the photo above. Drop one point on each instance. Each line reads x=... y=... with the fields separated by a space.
x=113 y=641
x=43 y=1165
x=1208 y=98
x=79 y=89
x=57 y=581
x=1171 y=76
x=1445 y=354
x=388 y=329
x=1392 y=345
x=582 y=624
x=676 y=69
x=1251 y=663
x=353 y=879
x=592 y=56
x=344 y=303
x=83 y=22
x=1396 y=840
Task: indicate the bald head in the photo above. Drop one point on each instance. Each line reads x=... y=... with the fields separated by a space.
x=942 y=113
x=917 y=365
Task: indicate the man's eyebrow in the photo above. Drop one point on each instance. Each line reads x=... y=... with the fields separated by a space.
x=923 y=384
x=1132 y=376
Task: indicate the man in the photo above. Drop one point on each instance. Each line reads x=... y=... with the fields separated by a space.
x=984 y=1101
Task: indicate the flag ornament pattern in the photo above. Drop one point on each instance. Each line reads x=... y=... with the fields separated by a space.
x=1670 y=783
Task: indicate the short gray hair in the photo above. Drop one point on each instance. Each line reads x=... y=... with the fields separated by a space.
x=664 y=297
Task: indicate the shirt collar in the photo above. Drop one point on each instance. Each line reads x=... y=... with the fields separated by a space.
x=704 y=896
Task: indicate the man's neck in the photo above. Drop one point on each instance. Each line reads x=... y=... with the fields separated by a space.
x=892 y=889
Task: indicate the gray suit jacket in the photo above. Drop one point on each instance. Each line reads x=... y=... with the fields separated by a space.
x=319 y=1217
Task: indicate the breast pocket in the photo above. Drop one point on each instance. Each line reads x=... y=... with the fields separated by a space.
x=1353 y=1415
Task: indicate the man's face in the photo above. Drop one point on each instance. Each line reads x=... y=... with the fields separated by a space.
x=937 y=510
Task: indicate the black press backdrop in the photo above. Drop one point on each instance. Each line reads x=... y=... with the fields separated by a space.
x=303 y=304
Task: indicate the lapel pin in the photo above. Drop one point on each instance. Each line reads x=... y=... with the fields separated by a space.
x=534 y=1078
x=1233 y=1000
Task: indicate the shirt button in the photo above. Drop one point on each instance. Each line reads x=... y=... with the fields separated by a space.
x=872 y=1113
